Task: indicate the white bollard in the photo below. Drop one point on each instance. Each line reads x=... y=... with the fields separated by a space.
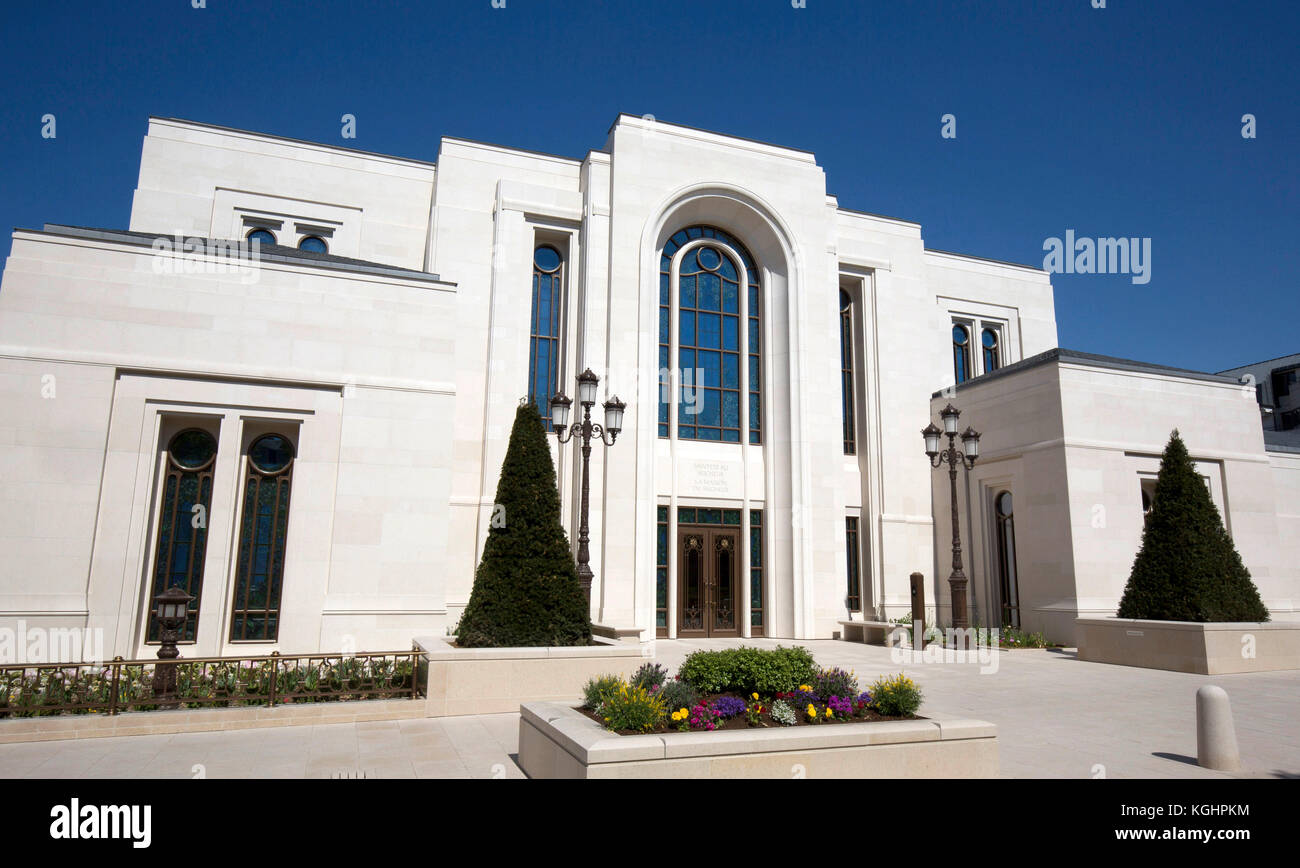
x=1216 y=740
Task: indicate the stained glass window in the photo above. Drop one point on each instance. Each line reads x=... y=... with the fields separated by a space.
x=756 y=572
x=544 y=338
x=1007 y=577
x=961 y=353
x=661 y=570
x=185 y=498
x=261 y=236
x=854 y=596
x=992 y=353
x=846 y=371
x=313 y=244
x=709 y=360
x=263 y=529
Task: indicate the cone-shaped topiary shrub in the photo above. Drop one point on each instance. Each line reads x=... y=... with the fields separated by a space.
x=526 y=590
x=1187 y=568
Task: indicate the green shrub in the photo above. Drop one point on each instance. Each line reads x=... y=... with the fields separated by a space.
x=651 y=676
x=678 y=695
x=895 y=695
x=633 y=708
x=526 y=590
x=1187 y=568
x=598 y=689
x=749 y=670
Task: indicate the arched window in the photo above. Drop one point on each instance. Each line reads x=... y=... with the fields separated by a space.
x=992 y=351
x=185 y=498
x=1006 y=531
x=846 y=371
x=313 y=244
x=261 y=236
x=544 y=333
x=263 y=527
x=961 y=353
x=713 y=373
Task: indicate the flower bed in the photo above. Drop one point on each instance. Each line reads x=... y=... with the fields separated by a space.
x=117 y=686
x=785 y=688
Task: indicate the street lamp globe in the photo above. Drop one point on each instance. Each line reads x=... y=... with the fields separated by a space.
x=949 y=415
x=587 y=383
x=931 y=434
x=170 y=605
x=614 y=415
x=970 y=441
x=561 y=404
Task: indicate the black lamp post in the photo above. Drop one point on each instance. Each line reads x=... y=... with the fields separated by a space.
x=560 y=406
x=171 y=608
x=952 y=456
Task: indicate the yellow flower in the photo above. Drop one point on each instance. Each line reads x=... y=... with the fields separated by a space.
x=812 y=712
x=755 y=695
x=830 y=713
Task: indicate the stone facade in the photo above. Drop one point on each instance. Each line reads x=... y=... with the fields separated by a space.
x=393 y=364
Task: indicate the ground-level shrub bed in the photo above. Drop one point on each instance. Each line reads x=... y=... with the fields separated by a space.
x=719 y=690
x=41 y=691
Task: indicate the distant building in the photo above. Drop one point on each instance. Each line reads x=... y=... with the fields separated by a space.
x=1277 y=389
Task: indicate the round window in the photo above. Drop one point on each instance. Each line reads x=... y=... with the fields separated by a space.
x=1004 y=504
x=312 y=244
x=260 y=236
x=546 y=258
x=959 y=335
x=710 y=258
x=271 y=453
x=192 y=449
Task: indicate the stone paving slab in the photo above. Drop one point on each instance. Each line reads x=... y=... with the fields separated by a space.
x=1057 y=717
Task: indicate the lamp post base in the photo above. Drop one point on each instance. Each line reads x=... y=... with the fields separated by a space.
x=957 y=584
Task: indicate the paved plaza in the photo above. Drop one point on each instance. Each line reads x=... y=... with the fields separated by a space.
x=1057 y=717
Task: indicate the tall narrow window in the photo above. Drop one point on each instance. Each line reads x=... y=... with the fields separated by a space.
x=853 y=599
x=544 y=339
x=713 y=374
x=661 y=571
x=846 y=371
x=1007 y=560
x=992 y=350
x=264 y=525
x=185 y=498
x=756 y=572
x=961 y=353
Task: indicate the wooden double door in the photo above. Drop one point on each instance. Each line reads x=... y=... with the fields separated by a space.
x=708 y=581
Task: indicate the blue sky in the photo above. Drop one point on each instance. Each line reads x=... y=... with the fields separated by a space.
x=1124 y=121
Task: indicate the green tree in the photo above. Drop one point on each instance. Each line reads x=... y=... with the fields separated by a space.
x=526 y=590
x=1187 y=568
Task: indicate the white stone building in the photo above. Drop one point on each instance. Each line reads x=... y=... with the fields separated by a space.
x=310 y=440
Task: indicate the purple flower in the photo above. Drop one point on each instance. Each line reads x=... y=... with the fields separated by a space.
x=841 y=706
x=729 y=706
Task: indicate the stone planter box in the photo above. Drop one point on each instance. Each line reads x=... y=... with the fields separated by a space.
x=557 y=741
x=1190 y=646
x=76 y=726
x=498 y=680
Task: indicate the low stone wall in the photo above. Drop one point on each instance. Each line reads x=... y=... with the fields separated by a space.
x=1190 y=646
x=557 y=741
x=499 y=680
x=71 y=726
